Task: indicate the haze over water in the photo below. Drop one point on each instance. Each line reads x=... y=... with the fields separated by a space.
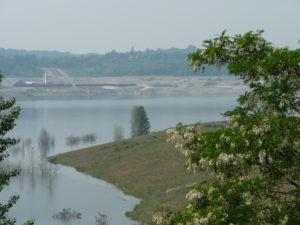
x=70 y=189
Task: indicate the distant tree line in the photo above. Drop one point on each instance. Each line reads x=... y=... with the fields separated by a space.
x=149 y=62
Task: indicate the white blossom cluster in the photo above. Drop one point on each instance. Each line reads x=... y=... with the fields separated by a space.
x=194 y=194
x=261 y=139
x=183 y=139
x=204 y=220
x=225 y=138
x=228 y=159
x=264 y=215
x=162 y=218
x=233 y=161
x=234 y=120
x=248 y=198
x=262 y=128
x=262 y=156
x=225 y=159
x=206 y=163
x=257 y=130
x=284 y=220
x=284 y=101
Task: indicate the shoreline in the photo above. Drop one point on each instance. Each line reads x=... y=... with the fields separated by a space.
x=145 y=167
x=143 y=87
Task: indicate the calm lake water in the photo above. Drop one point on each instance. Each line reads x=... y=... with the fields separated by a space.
x=43 y=195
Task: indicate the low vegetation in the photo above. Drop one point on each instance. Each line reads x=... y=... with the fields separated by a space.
x=146 y=167
x=76 y=140
x=101 y=219
x=67 y=214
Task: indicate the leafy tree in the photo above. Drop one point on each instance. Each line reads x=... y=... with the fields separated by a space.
x=139 y=121
x=254 y=161
x=9 y=112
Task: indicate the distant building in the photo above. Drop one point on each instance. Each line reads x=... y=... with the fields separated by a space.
x=45 y=79
x=22 y=83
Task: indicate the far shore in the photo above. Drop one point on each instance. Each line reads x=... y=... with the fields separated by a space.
x=141 y=87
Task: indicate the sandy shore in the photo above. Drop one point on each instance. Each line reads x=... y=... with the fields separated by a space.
x=125 y=87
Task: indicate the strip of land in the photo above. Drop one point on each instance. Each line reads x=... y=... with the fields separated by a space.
x=146 y=167
x=29 y=88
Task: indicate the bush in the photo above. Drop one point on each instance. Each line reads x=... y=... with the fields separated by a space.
x=139 y=121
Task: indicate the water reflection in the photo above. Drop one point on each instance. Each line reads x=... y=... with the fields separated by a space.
x=73 y=141
x=102 y=219
x=32 y=164
x=45 y=188
x=46 y=142
x=38 y=177
x=20 y=147
x=66 y=215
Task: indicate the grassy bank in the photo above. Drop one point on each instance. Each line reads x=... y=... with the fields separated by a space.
x=146 y=167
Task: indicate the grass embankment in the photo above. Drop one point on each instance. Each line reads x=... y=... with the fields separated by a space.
x=146 y=167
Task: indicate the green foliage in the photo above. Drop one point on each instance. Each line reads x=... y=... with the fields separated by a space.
x=30 y=222
x=139 y=121
x=255 y=160
x=9 y=112
x=149 y=62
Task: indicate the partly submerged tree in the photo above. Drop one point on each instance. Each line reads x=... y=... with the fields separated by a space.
x=118 y=133
x=46 y=142
x=254 y=161
x=139 y=121
x=9 y=112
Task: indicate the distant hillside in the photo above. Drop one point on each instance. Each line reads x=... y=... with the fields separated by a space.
x=149 y=62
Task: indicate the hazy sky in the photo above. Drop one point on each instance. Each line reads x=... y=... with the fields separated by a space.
x=82 y=26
